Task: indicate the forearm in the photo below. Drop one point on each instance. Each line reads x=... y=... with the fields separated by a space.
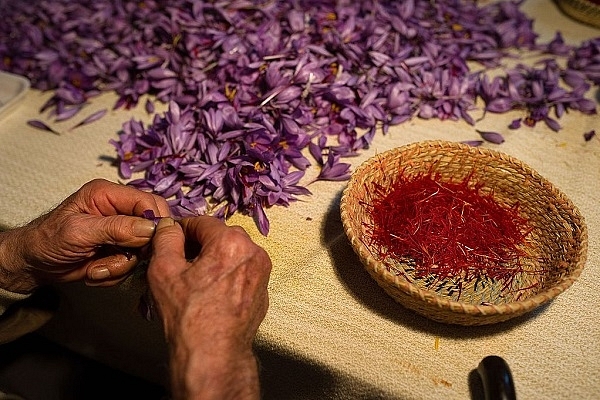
x=14 y=271
x=17 y=286
x=208 y=374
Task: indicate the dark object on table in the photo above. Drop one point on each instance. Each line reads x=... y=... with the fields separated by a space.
x=497 y=379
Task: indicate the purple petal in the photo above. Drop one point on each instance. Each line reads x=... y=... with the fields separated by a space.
x=149 y=214
x=92 y=118
x=149 y=106
x=589 y=135
x=515 y=124
x=260 y=217
x=492 y=137
x=500 y=105
x=68 y=113
x=474 y=143
x=41 y=125
x=333 y=170
x=552 y=124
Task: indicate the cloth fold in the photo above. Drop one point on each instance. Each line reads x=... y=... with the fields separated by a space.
x=8 y=298
x=24 y=314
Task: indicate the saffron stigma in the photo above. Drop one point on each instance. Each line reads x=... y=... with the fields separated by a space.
x=447 y=233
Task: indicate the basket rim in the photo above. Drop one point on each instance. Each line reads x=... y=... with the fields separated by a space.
x=432 y=298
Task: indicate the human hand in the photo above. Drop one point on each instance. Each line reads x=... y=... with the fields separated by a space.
x=211 y=306
x=93 y=235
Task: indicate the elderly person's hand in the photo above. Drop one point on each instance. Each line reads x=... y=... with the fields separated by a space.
x=93 y=235
x=211 y=304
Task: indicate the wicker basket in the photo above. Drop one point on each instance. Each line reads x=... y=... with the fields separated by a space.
x=585 y=11
x=557 y=243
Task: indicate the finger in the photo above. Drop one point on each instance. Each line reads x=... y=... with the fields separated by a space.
x=107 y=282
x=118 y=230
x=110 y=269
x=108 y=198
x=204 y=228
x=168 y=248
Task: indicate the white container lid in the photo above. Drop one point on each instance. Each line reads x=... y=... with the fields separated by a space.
x=12 y=89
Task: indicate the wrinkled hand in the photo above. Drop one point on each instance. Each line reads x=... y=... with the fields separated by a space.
x=93 y=235
x=211 y=306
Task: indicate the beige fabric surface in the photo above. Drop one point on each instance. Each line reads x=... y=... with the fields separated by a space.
x=8 y=298
x=331 y=332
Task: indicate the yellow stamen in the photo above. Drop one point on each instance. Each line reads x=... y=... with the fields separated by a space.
x=258 y=166
x=176 y=39
x=333 y=68
x=230 y=92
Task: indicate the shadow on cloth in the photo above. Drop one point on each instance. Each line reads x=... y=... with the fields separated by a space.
x=286 y=377
x=34 y=368
x=366 y=290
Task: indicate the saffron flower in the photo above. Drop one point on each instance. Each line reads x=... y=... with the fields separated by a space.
x=538 y=91
x=260 y=92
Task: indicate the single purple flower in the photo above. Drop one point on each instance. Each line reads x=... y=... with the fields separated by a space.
x=334 y=170
x=557 y=46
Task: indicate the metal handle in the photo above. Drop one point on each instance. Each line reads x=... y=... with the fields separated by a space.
x=497 y=379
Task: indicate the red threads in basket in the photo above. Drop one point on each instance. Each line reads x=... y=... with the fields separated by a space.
x=449 y=230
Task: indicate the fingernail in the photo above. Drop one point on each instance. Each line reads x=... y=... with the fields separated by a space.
x=144 y=228
x=100 y=273
x=164 y=222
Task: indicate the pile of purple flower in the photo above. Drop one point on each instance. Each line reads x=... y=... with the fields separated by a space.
x=259 y=91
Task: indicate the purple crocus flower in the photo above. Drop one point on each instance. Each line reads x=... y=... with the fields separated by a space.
x=334 y=170
x=258 y=94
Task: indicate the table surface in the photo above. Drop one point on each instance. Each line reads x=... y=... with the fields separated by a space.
x=331 y=332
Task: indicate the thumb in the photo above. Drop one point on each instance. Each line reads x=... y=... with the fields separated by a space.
x=120 y=230
x=168 y=245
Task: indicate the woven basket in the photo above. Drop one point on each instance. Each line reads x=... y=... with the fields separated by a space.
x=585 y=11
x=557 y=244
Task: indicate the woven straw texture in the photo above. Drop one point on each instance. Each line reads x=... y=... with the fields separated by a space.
x=557 y=244
x=581 y=10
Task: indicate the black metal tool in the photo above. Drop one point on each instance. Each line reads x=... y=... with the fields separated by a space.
x=497 y=379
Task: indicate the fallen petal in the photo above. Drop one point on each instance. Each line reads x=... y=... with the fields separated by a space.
x=492 y=137
x=40 y=125
x=589 y=135
x=92 y=118
x=474 y=143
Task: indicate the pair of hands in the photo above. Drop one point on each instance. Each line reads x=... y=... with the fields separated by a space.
x=211 y=306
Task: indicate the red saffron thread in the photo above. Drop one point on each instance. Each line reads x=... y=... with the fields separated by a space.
x=449 y=231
